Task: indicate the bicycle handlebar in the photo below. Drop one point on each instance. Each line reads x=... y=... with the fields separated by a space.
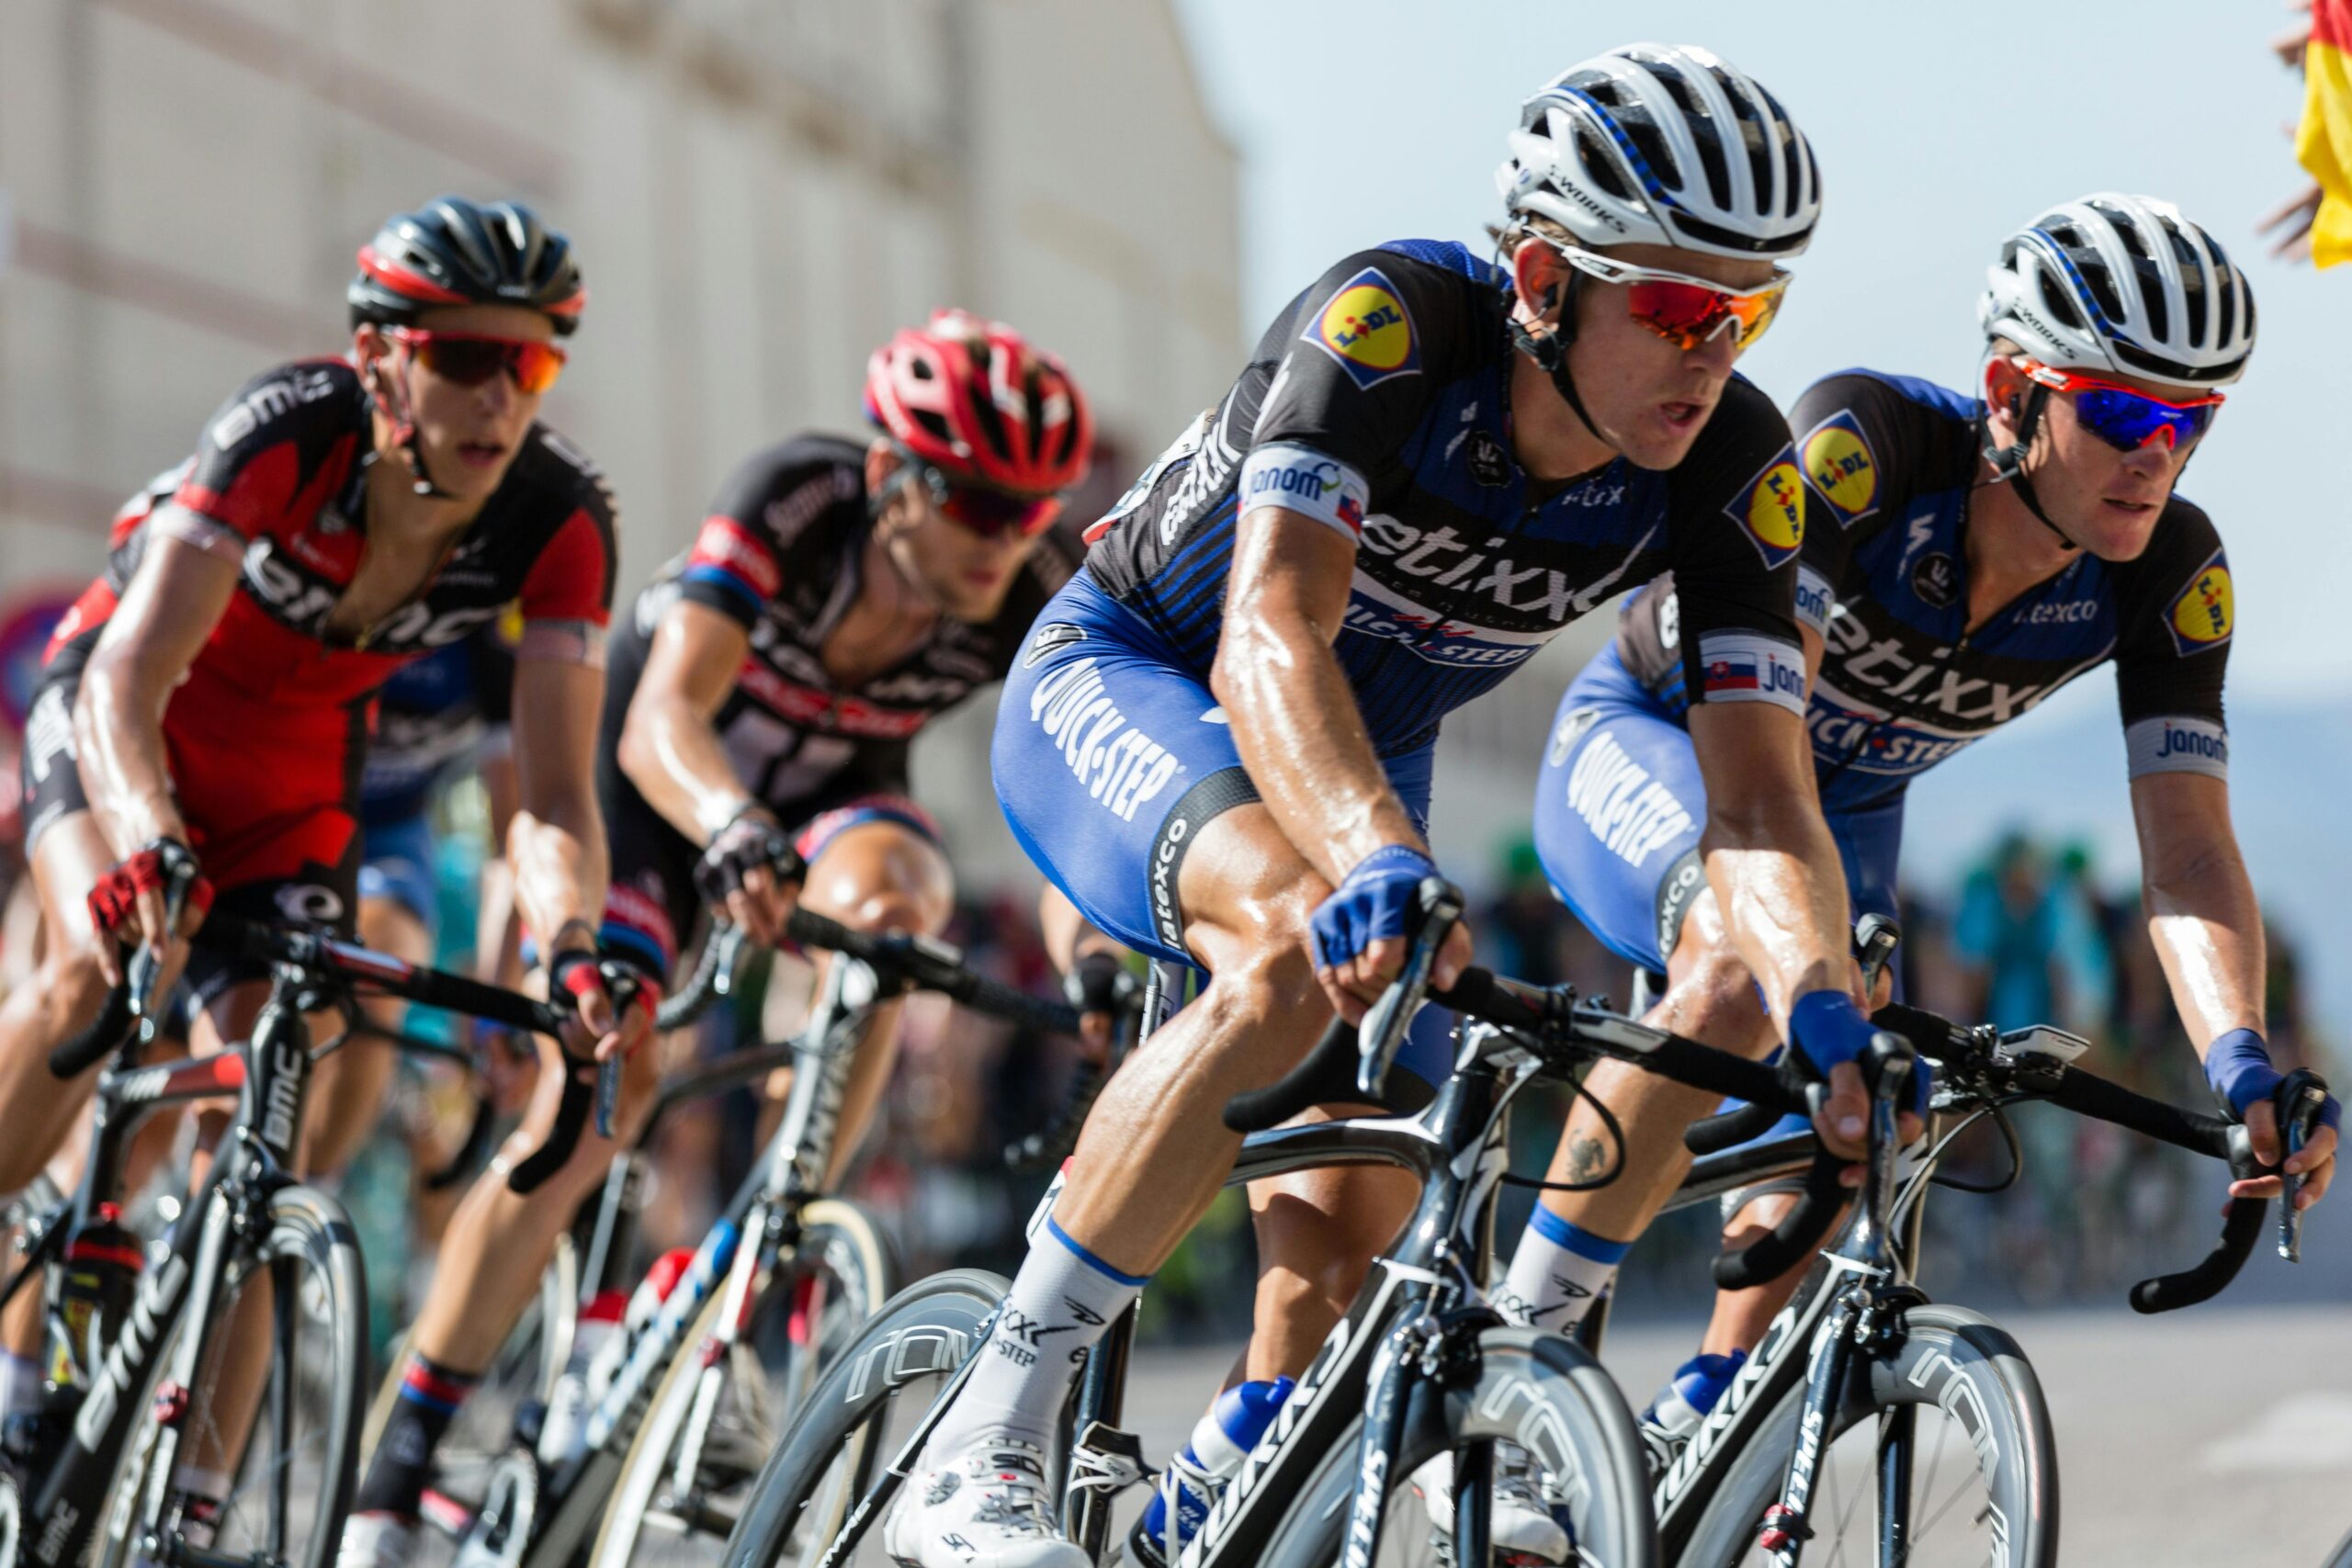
x=325 y=956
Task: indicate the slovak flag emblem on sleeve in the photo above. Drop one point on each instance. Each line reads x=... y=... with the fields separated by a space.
x=1733 y=675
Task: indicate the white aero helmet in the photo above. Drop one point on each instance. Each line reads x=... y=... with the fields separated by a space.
x=2126 y=285
x=1664 y=144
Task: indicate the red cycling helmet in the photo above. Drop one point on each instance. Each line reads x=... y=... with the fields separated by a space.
x=974 y=400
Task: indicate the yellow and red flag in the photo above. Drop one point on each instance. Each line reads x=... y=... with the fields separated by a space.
x=2324 y=140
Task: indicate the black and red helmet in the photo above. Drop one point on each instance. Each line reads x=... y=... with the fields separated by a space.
x=973 y=399
x=455 y=252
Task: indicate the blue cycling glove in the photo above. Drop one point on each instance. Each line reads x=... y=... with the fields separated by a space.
x=1376 y=901
x=2238 y=1067
x=1829 y=1030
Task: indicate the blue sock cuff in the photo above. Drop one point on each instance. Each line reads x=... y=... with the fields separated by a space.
x=1583 y=1243
x=1136 y=1281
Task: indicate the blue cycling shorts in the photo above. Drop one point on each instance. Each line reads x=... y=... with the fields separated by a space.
x=1619 y=808
x=396 y=865
x=1111 y=756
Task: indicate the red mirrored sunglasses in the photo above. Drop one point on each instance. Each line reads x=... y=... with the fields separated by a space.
x=471 y=358
x=985 y=512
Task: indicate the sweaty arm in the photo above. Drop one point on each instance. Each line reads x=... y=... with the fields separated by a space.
x=669 y=747
x=556 y=843
x=1293 y=716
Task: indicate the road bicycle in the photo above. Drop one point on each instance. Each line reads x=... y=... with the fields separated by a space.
x=708 y=1374
x=136 y=1325
x=1419 y=1364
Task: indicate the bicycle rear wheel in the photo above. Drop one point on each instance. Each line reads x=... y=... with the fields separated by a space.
x=1543 y=1393
x=1983 y=1483
x=716 y=1417
x=292 y=1488
x=856 y=1417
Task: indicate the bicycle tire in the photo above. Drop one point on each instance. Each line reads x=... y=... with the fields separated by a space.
x=929 y=1328
x=1541 y=1391
x=1982 y=1368
x=835 y=1233
x=310 y=1229
x=527 y=1363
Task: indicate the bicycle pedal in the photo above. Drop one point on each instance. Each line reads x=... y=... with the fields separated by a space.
x=1108 y=1460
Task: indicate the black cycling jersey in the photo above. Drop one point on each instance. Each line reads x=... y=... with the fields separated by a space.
x=1378 y=405
x=783 y=552
x=1885 y=580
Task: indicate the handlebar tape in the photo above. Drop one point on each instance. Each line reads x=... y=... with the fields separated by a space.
x=79 y=1052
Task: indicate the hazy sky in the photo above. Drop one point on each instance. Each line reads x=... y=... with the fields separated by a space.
x=1940 y=128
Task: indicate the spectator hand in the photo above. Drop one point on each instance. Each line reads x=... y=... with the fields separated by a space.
x=2294 y=219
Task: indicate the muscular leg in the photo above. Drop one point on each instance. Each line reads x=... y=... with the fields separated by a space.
x=877 y=877
x=1710 y=998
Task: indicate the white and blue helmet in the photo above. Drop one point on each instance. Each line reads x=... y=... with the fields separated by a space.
x=2123 y=285
x=1664 y=144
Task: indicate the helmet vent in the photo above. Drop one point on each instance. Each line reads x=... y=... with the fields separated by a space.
x=2054 y=301
x=1599 y=161
x=1703 y=130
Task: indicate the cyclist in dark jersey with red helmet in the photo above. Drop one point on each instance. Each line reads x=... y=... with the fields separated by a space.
x=207 y=700
x=838 y=595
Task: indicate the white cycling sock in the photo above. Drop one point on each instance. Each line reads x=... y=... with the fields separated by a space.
x=1559 y=1271
x=1063 y=1300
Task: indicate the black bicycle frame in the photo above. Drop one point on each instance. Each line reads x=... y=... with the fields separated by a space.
x=252 y=1162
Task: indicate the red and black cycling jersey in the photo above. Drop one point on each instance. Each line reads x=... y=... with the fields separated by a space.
x=271 y=720
x=783 y=553
x=1891 y=462
x=1378 y=403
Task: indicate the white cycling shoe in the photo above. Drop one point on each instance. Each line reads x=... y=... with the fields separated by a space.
x=987 y=1508
x=1520 y=1526
x=377 y=1540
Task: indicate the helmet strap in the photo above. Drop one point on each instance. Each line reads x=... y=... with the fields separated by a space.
x=386 y=380
x=2008 y=462
x=1550 y=353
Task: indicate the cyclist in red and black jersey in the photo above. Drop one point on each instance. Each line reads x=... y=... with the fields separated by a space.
x=207 y=699
x=838 y=595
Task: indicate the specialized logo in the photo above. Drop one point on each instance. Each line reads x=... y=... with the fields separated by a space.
x=1367 y=330
x=1488 y=463
x=2205 y=611
x=1120 y=766
x=1053 y=635
x=1771 y=509
x=1844 y=473
x=1630 y=812
x=1936 y=580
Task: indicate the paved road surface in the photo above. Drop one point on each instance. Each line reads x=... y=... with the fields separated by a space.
x=2217 y=1435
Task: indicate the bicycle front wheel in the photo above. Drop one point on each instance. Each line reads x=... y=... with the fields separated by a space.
x=1952 y=1426
x=1539 y=1392
x=292 y=1486
x=857 y=1416
x=723 y=1407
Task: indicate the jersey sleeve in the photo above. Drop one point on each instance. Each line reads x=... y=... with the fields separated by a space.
x=567 y=598
x=737 y=564
x=1352 y=379
x=250 y=463
x=1852 y=433
x=2178 y=609
x=1735 y=519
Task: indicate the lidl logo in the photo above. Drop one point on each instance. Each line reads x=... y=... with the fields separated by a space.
x=1772 y=509
x=1839 y=462
x=2207 y=609
x=1365 y=327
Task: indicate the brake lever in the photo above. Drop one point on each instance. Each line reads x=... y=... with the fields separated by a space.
x=1382 y=1034
x=147 y=962
x=2299 y=1098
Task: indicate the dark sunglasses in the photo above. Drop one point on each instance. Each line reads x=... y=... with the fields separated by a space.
x=985 y=512
x=471 y=358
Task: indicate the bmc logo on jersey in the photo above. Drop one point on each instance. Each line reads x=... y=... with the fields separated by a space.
x=1771 y=509
x=1366 y=329
x=2207 y=609
x=1844 y=473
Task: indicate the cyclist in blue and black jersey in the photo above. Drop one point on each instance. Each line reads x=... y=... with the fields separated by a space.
x=1967 y=558
x=1218 y=740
